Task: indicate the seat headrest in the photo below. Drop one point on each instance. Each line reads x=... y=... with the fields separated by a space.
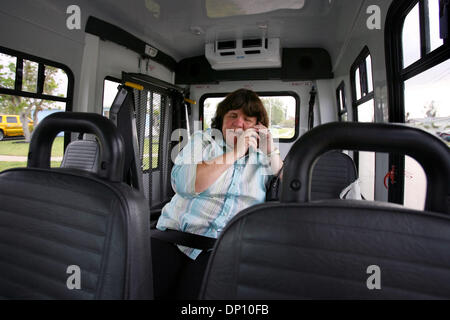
x=83 y=155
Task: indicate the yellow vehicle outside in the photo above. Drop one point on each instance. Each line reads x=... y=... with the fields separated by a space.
x=10 y=125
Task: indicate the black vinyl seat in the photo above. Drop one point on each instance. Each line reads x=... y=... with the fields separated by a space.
x=55 y=219
x=322 y=250
x=332 y=173
x=328 y=249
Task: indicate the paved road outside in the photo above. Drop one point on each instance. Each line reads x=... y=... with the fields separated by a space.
x=23 y=159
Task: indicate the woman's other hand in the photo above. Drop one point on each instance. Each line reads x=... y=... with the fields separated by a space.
x=266 y=143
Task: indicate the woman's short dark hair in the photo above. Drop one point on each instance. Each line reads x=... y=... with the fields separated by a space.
x=250 y=103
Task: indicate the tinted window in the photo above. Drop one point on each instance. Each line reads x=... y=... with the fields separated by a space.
x=281 y=110
x=109 y=93
x=33 y=87
x=11 y=119
x=341 y=103
x=7 y=71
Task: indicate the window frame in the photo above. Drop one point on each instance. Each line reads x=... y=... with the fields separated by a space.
x=397 y=75
x=17 y=91
x=341 y=110
x=112 y=79
x=261 y=94
x=366 y=96
x=68 y=100
x=360 y=63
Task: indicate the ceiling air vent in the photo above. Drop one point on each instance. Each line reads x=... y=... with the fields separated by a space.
x=225 y=45
x=244 y=53
x=252 y=43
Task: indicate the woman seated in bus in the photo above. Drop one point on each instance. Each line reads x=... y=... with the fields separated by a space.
x=222 y=170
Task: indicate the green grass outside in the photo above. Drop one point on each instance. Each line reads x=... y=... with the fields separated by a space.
x=146 y=158
x=18 y=164
x=13 y=148
x=155 y=145
x=284 y=133
x=19 y=148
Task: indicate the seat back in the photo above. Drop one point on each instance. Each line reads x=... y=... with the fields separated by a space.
x=82 y=154
x=69 y=234
x=324 y=250
x=332 y=173
x=339 y=249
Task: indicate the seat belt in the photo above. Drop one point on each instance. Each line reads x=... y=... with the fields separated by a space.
x=183 y=238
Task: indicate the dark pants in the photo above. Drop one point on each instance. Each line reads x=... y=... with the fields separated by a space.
x=175 y=275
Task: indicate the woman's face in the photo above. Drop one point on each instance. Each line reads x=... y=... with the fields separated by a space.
x=234 y=122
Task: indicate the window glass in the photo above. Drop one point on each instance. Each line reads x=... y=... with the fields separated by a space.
x=13 y=145
x=56 y=82
x=11 y=119
x=341 y=101
x=158 y=101
x=427 y=101
x=358 y=85
x=7 y=71
x=344 y=117
x=425 y=95
x=415 y=185
x=27 y=107
x=366 y=164
x=366 y=173
x=433 y=20
x=280 y=109
x=366 y=111
x=411 y=37
x=342 y=108
x=29 y=76
x=426 y=107
x=369 y=73
x=152 y=130
x=109 y=93
x=209 y=110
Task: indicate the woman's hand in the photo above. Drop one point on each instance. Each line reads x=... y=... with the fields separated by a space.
x=245 y=140
x=209 y=171
x=266 y=144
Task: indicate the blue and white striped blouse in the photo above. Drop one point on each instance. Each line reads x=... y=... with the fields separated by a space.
x=206 y=213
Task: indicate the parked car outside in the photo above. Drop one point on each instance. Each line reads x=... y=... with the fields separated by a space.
x=10 y=125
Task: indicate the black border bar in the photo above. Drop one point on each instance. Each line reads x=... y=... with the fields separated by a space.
x=108 y=31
